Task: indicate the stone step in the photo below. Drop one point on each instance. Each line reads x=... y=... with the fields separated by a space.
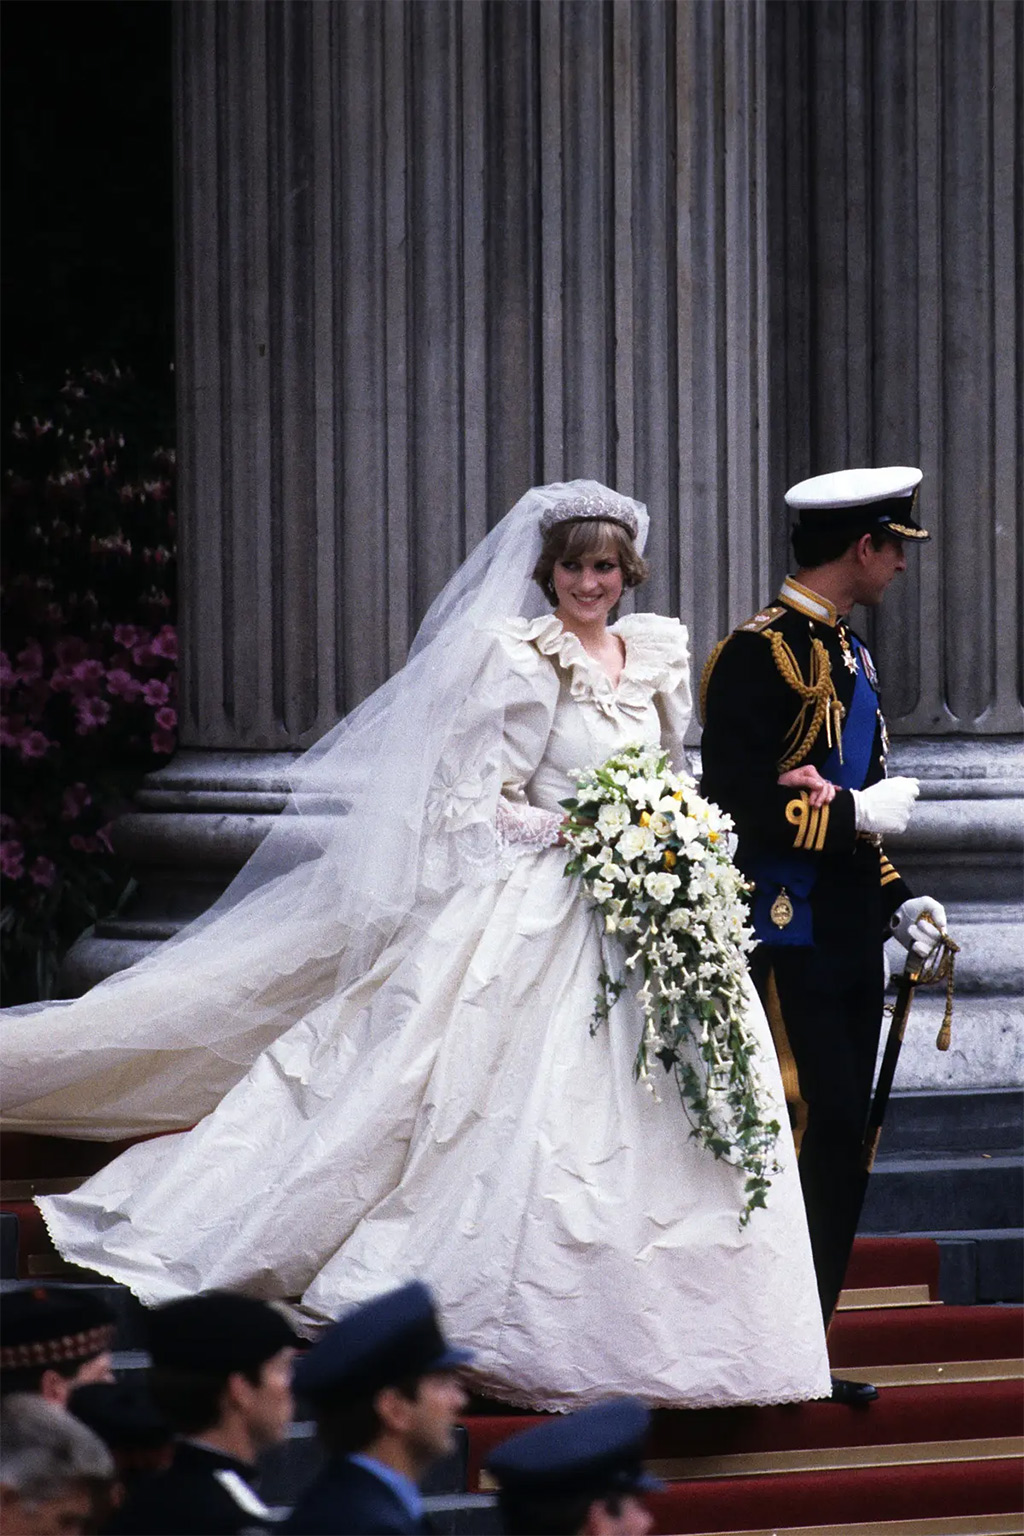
x=969 y=1120
x=910 y=1194
x=981 y=1267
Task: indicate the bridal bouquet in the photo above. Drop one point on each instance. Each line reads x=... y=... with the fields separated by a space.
x=653 y=856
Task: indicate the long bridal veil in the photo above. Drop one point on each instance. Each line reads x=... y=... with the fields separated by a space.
x=389 y=812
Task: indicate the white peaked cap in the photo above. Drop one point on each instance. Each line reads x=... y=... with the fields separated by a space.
x=854 y=487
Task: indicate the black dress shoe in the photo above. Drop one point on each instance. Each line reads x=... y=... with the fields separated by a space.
x=855 y=1394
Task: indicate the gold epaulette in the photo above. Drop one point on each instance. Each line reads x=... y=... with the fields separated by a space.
x=761 y=620
x=751 y=626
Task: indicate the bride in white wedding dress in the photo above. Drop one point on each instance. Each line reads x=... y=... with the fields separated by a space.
x=381 y=1033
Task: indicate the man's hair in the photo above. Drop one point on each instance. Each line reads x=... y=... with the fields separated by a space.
x=524 y=1516
x=29 y=1378
x=820 y=546
x=191 y=1401
x=44 y=1448
x=353 y=1423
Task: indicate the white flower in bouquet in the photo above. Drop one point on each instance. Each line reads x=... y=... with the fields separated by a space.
x=662 y=886
x=612 y=818
x=635 y=842
x=655 y=859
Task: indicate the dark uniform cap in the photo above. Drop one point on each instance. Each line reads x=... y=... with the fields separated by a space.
x=122 y=1413
x=861 y=499
x=50 y=1325
x=217 y=1333
x=594 y=1452
x=377 y=1344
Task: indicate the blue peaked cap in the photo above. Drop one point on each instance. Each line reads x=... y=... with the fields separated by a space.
x=377 y=1344
x=594 y=1452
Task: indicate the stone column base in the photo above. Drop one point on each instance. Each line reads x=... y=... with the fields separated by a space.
x=194 y=825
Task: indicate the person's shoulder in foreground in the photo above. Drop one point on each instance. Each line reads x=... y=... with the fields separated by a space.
x=383 y=1386
x=221 y=1376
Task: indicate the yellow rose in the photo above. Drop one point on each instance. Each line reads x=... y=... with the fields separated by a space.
x=645 y=818
x=670 y=858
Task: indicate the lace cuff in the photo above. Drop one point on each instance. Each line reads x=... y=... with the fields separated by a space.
x=525 y=828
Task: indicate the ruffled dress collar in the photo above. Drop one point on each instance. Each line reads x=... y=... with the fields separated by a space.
x=655 y=662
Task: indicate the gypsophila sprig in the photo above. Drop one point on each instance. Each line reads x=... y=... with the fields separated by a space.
x=654 y=858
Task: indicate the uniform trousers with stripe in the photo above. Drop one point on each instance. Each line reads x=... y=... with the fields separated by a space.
x=824 y=1006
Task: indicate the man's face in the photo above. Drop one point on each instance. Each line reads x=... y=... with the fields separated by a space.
x=430 y=1428
x=69 y=1514
x=631 y=1519
x=268 y=1405
x=876 y=568
x=56 y=1388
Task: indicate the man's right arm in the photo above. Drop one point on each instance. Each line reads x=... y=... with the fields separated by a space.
x=749 y=711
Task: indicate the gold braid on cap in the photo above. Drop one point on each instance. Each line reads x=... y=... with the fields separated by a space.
x=820 y=702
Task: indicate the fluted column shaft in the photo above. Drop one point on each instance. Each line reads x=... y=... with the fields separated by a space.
x=430 y=254
x=897 y=270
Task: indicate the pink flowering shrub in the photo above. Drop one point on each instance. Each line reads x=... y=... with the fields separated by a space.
x=88 y=678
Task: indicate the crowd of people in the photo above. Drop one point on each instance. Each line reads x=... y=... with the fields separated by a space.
x=178 y=1453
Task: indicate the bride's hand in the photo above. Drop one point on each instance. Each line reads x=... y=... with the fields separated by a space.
x=822 y=791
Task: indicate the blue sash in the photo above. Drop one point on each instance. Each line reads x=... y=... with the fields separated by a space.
x=858 y=731
x=798 y=871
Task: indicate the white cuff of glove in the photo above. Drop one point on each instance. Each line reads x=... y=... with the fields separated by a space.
x=912 y=931
x=885 y=807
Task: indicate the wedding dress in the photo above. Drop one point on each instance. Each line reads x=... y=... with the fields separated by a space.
x=447 y=1112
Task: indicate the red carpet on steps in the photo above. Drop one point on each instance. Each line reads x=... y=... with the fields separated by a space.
x=973 y=1410
x=838 y=1497
x=894 y=1261
x=913 y=1335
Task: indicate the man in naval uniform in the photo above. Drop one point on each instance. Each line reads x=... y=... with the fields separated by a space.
x=581 y=1474
x=383 y=1384
x=794 y=749
x=221 y=1376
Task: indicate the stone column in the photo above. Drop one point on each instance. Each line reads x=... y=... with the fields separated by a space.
x=429 y=254
x=897 y=289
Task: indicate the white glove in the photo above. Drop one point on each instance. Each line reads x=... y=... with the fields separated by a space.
x=885 y=807
x=913 y=933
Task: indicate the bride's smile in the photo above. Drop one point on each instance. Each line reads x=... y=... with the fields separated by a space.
x=587 y=589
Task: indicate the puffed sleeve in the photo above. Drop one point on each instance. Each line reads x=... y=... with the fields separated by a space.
x=531 y=693
x=660 y=662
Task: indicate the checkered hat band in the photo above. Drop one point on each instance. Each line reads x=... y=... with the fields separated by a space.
x=72 y=1346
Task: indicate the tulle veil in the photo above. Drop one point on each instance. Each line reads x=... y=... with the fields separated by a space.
x=389 y=813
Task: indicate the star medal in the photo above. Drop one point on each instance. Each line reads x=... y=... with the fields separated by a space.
x=849 y=659
x=781 y=910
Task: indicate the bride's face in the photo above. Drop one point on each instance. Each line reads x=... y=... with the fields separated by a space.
x=588 y=587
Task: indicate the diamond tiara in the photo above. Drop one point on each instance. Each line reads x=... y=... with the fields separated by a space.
x=578 y=509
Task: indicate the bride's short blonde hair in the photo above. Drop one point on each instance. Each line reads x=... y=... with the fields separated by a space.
x=588 y=536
